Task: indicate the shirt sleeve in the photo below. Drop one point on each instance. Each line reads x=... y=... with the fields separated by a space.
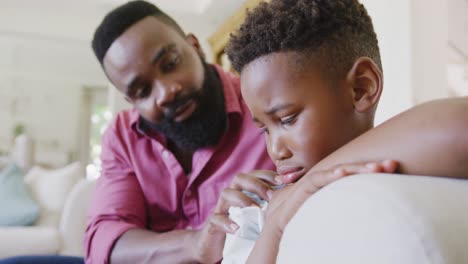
x=118 y=203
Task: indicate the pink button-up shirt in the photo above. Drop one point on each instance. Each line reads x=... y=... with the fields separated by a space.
x=144 y=186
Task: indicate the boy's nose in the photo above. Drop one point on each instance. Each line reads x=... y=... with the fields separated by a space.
x=277 y=149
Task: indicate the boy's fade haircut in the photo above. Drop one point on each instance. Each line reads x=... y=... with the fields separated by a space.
x=332 y=32
x=120 y=19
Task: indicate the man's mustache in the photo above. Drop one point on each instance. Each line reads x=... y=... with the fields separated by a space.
x=169 y=112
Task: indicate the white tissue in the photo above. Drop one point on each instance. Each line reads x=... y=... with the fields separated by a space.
x=239 y=245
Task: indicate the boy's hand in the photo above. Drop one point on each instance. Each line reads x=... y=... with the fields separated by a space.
x=286 y=201
x=209 y=241
x=258 y=182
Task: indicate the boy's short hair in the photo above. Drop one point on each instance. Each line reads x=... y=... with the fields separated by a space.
x=333 y=32
x=120 y=19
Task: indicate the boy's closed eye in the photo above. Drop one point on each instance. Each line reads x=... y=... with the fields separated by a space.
x=288 y=120
x=283 y=121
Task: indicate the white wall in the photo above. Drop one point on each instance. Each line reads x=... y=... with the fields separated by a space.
x=430 y=41
x=391 y=19
x=413 y=40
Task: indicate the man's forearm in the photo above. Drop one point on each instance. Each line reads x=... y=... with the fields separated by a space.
x=143 y=246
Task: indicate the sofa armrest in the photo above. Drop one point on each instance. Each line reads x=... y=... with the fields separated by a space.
x=73 y=220
x=381 y=218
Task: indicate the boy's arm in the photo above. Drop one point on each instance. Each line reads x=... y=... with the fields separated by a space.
x=429 y=139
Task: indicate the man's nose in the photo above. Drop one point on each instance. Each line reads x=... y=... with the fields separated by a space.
x=166 y=92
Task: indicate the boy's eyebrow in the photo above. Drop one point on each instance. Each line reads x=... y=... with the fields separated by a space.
x=273 y=110
x=155 y=59
x=277 y=108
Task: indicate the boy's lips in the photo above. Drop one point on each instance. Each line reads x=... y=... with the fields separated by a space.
x=185 y=111
x=290 y=174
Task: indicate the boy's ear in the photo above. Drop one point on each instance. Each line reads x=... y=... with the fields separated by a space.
x=192 y=40
x=367 y=84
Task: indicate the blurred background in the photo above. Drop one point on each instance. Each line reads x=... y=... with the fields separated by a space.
x=53 y=91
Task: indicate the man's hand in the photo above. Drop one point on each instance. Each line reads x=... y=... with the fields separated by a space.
x=209 y=241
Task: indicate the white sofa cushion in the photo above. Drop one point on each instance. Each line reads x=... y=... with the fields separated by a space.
x=24 y=240
x=381 y=218
x=51 y=189
x=74 y=216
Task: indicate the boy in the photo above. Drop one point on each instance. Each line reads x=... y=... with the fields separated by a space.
x=312 y=77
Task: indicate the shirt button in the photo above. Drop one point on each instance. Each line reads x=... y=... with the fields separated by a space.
x=165 y=154
x=189 y=193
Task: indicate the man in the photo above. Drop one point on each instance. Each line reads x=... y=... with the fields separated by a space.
x=166 y=162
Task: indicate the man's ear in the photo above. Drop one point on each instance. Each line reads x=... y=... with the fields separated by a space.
x=367 y=83
x=192 y=40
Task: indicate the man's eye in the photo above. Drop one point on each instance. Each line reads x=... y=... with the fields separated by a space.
x=143 y=92
x=171 y=64
x=289 y=120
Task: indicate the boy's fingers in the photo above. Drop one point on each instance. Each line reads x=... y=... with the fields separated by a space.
x=387 y=166
x=363 y=167
x=231 y=197
x=258 y=183
x=223 y=223
x=263 y=175
x=390 y=166
x=313 y=181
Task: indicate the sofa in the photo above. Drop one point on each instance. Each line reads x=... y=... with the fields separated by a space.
x=381 y=218
x=63 y=196
x=361 y=219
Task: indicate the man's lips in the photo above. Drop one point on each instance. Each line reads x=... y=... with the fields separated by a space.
x=185 y=111
x=290 y=174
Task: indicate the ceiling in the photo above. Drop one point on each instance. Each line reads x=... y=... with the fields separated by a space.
x=182 y=6
x=54 y=17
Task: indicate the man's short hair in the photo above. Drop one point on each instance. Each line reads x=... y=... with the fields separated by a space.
x=333 y=32
x=120 y=19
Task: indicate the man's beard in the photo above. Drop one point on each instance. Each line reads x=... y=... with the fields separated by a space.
x=207 y=123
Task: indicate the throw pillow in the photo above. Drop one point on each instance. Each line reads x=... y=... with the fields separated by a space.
x=51 y=187
x=17 y=207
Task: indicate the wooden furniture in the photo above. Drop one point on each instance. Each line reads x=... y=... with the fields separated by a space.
x=220 y=38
